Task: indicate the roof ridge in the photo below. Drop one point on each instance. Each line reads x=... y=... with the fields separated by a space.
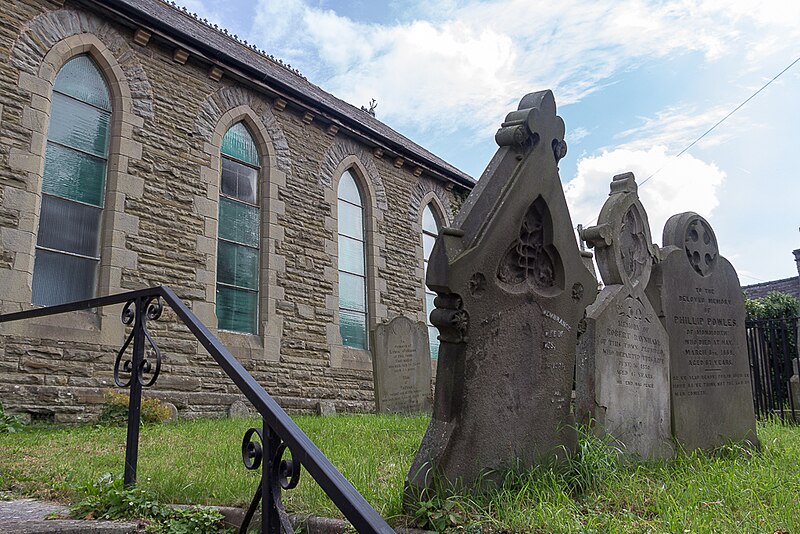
x=224 y=32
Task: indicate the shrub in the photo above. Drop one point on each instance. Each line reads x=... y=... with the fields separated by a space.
x=115 y=410
x=775 y=305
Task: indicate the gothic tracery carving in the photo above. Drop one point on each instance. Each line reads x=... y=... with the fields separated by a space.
x=530 y=259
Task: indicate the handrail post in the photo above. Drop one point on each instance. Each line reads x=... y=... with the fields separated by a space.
x=270 y=520
x=135 y=399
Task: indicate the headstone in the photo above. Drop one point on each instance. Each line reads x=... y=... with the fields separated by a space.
x=326 y=408
x=402 y=367
x=511 y=290
x=173 y=411
x=622 y=380
x=239 y=408
x=698 y=296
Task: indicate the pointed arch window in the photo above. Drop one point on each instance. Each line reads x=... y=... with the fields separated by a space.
x=73 y=185
x=430 y=230
x=239 y=235
x=352 y=270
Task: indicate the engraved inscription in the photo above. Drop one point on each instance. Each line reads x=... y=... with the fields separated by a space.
x=707 y=344
x=401 y=364
x=634 y=353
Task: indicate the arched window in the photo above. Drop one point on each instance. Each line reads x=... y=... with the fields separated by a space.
x=73 y=185
x=239 y=236
x=352 y=271
x=430 y=230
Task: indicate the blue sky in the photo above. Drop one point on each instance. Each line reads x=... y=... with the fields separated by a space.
x=635 y=81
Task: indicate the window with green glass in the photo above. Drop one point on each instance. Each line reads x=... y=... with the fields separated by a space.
x=73 y=185
x=430 y=230
x=239 y=235
x=352 y=271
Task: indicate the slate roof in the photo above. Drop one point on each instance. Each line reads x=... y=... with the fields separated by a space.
x=217 y=46
x=790 y=286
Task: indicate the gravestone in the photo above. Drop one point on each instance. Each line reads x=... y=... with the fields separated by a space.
x=622 y=380
x=698 y=296
x=402 y=367
x=511 y=290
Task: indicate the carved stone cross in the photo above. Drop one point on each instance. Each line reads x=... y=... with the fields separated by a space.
x=622 y=381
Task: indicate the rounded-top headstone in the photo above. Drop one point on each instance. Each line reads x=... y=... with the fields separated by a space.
x=702 y=307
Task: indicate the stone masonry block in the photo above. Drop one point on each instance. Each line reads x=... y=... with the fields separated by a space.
x=24 y=161
x=34 y=84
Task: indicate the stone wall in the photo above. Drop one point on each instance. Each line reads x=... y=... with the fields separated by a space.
x=160 y=226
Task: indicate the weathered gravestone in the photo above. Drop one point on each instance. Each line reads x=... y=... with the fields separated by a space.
x=623 y=360
x=698 y=295
x=402 y=367
x=511 y=290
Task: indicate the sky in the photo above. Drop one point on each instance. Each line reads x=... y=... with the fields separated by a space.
x=637 y=82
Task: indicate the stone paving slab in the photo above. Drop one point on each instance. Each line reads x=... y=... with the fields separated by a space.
x=28 y=516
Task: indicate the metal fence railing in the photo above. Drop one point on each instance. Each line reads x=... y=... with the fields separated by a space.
x=262 y=448
x=774 y=372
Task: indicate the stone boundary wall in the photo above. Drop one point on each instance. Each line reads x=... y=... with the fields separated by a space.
x=160 y=227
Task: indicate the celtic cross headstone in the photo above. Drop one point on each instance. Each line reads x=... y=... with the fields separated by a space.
x=622 y=381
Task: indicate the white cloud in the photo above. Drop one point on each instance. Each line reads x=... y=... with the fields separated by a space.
x=677 y=127
x=677 y=185
x=574 y=135
x=465 y=64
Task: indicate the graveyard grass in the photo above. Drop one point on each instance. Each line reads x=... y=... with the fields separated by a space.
x=732 y=490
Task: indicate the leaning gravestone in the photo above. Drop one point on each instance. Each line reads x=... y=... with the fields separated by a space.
x=402 y=367
x=623 y=359
x=702 y=308
x=511 y=290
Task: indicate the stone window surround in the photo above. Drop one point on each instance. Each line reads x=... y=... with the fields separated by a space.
x=265 y=345
x=103 y=326
x=433 y=200
x=341 y=356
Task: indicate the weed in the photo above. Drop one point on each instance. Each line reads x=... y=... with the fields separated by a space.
x=9 y=423
x=108 y=498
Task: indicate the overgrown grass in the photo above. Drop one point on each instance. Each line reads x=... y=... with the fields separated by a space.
x=200 y=462
x=731 y=490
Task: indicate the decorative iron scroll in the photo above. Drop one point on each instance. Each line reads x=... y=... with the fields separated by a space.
x=136 y=313
x=281 y=475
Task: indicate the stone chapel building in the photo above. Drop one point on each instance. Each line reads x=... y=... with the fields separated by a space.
x=141 y=146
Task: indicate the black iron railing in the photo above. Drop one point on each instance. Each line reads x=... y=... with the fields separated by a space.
x=261 y=447
x=772 y=347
